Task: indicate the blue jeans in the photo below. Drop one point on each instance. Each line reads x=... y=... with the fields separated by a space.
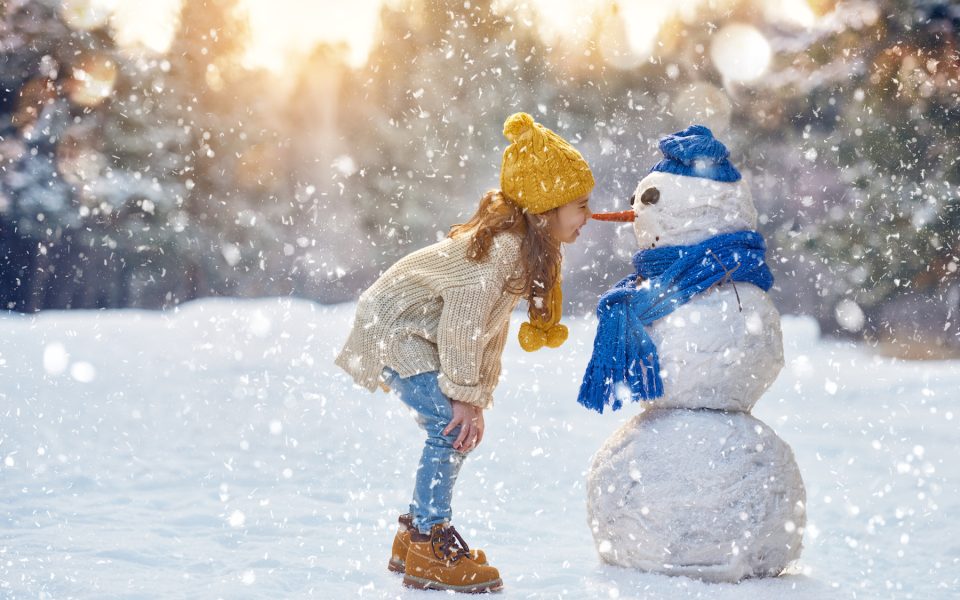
x=439 y=463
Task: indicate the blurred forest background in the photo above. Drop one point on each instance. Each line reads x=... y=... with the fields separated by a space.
x=138 y=174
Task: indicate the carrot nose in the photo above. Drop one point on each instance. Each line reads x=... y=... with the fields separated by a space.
x=624 y=216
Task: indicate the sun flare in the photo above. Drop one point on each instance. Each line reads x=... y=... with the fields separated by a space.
x=284 y=31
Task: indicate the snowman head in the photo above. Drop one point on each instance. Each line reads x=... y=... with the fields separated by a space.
x=692 y=194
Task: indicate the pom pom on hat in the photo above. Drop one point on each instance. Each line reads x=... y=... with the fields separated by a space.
x=518 y=125
x=696 y=153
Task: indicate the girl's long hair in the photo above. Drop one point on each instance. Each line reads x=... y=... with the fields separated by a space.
x=540 y=251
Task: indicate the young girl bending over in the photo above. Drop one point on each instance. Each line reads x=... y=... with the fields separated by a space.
x=433 y=328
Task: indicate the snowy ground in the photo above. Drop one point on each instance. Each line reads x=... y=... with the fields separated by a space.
x=217 y=452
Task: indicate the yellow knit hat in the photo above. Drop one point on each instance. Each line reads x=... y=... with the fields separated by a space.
x=540 y=171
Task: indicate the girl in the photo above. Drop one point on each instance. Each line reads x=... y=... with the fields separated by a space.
x=433 y=327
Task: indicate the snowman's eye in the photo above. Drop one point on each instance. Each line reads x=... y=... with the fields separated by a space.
x=633 y=198
x=650 y=196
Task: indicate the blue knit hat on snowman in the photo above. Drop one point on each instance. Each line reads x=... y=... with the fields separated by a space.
x=696 y=153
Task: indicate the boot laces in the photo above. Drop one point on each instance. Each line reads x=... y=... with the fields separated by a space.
x=452 y=545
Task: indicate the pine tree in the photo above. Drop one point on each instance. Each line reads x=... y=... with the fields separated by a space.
x=874 y=114
x=53 y=77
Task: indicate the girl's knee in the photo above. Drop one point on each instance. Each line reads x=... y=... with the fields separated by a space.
x=438 y=438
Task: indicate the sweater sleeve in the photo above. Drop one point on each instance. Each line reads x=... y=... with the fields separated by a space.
x=460 y=338
x=460 y=341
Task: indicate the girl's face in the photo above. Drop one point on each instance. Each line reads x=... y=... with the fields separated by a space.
x=566 y=222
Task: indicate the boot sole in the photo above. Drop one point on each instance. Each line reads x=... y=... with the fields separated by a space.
x=398 y=566
x=428 y=584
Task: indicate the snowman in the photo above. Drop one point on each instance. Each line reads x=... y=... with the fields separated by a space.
x=694 y=485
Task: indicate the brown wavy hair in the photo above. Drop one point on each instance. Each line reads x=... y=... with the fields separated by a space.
x=540 y=250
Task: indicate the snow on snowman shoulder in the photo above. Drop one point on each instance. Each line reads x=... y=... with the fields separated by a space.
x=694 y=485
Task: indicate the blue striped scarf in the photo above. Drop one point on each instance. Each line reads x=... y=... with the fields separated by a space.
x=624 y=361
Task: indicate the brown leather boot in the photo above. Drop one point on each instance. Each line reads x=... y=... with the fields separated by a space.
x=401 y=542
x=441 y=560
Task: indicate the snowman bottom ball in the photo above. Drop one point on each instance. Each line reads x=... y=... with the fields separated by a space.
x=704 y=493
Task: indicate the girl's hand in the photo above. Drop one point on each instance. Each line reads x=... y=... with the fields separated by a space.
x=470 y=419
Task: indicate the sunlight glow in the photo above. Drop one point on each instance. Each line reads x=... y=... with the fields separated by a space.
x=85 y=15
x=284 y=29
x=740 y=52
x=92 y=79
x=284 y=32
x=789 y=12
x=627 y=29
x=150 y=25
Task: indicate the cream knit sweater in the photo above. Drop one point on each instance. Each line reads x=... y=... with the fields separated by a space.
x=437 y=310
